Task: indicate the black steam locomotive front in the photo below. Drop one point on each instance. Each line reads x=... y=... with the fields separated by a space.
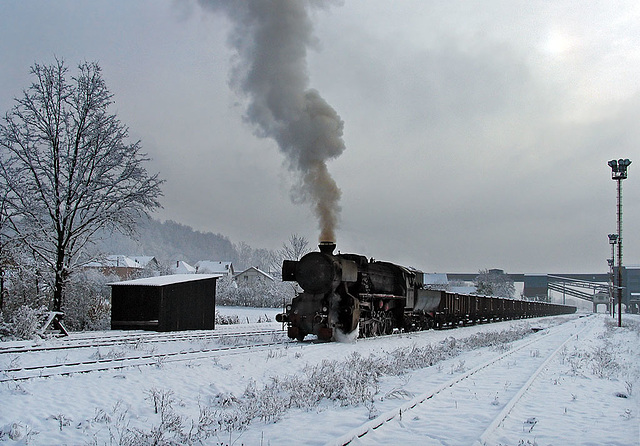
x=343 y=293
x=326 y=303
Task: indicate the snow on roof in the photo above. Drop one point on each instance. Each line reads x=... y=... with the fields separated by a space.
x=213 y=266
x=117 y=261
x=183 y=267
x=258 y=270
x=142 y=260
x=166 y=280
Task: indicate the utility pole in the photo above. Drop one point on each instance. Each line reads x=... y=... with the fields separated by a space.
x=619 y=173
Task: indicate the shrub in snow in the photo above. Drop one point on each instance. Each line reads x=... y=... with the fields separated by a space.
x=261 y=294
x=354 y=380
x=62 y=420
x=25 y=282
x=17 y=432
x=602 y=361
x=221 y=319
x=110 y=354
x=169 y=431
x=87 y=301
x=25 y=322
x=346 y=382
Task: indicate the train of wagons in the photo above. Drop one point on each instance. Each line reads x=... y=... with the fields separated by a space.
x=342 y=293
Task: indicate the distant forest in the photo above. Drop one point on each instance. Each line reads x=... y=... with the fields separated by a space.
x=170 y=241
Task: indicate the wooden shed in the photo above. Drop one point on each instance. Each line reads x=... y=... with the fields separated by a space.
x=165 y=303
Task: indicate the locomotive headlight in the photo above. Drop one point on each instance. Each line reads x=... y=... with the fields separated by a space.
x=324 y=309
x=316 y=273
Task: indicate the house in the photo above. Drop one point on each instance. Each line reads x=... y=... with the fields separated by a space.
x=164 y=303
x=147 y=262
x=252 y=275
x=123 y=266
x=182 y=267
x=214 y=267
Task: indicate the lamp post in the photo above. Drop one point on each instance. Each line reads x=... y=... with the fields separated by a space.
x=619 y=173
x=613 y=239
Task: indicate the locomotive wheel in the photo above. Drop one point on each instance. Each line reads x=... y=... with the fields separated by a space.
x=387 y=324
x=373 y=329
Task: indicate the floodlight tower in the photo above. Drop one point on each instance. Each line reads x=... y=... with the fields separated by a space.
x=619 y=173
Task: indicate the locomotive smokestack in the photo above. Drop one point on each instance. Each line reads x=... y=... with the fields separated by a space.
x=327 y=247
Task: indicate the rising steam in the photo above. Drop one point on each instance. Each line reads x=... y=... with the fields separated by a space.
x=271 y=38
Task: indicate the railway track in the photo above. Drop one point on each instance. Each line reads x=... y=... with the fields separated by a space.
x=40 y=365
x=130 y=339
x=454 y=400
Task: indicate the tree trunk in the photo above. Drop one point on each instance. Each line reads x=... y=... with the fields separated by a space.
x=58 y=288
x=1 y=290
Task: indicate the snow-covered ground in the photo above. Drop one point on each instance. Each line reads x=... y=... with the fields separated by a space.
x=572 y=380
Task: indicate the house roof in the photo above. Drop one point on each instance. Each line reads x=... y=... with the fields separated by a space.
x=144 y=260
x=166 y=280
x=113 y=261
x=214 y=267
x=183 y=267
x=253 y=268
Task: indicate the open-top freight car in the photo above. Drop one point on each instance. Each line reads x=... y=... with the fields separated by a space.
x=438 y=309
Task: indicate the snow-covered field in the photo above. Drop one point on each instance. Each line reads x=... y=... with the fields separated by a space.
x=572 y=380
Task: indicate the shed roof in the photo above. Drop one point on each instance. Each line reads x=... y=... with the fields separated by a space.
x=167 y=280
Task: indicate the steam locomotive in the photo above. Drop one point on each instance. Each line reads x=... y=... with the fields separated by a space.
x=343 y=293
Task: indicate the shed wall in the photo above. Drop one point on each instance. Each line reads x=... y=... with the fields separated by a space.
x=135 y=307
x=188 y=306
x=177 y=306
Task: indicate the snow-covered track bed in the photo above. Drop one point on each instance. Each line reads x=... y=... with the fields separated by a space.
x=132 y=338
x=36 y=362
x=451 y=410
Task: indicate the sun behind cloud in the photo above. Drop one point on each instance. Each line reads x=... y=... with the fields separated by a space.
x=557 y=43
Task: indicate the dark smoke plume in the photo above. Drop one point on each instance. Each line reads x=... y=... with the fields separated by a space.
x=271 y=38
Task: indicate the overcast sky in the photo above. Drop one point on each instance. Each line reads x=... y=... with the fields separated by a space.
x=477 y=133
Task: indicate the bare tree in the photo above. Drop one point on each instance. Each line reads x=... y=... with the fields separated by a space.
x=68 y=170
x=245 y=255
x=295 y=248
x=261 y=258
x=6 y=242
x=494 y=282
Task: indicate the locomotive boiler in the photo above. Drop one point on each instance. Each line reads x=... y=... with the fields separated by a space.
x=350 y=294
